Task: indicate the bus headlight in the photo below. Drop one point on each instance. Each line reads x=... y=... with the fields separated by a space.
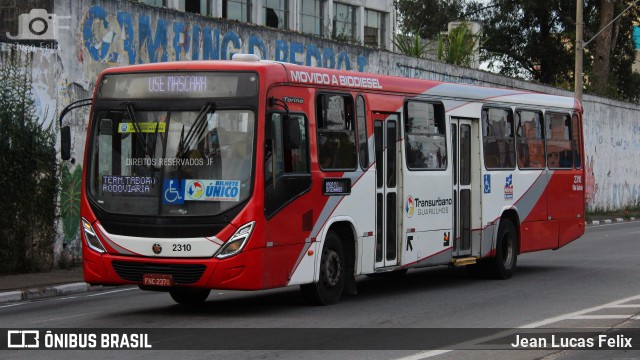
x=91 y=238
x=236 y=242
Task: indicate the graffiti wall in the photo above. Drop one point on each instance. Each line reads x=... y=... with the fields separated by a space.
x=106 y=33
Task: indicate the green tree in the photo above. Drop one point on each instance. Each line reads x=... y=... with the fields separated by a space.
x=427 y=18
x=410 y=45
x=529 y=39
x=459 y=46
x=28 y=174
x=612 y=53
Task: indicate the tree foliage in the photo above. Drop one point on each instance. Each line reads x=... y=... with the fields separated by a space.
x=28 y=175
x=535 y=39
x=410 y=45
x=427 y=18
x=459 y=46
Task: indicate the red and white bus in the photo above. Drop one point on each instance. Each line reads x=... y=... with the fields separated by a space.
x=250 y=175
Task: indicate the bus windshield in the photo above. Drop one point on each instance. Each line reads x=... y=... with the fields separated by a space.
x=170 y=163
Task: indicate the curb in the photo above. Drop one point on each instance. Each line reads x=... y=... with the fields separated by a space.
x=611 y=221
x=47 y=291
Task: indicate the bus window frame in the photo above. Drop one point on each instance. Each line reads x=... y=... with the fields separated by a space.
x=570 y=118
x=308 y=141
x=268 y=188
x=366 y=132
x=516 y=117
x=317 y=111
x=580 y=142
x=405 y=114
x=482 y=134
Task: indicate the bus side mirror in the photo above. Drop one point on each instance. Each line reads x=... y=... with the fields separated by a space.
x=292 y=136
x=65 y=143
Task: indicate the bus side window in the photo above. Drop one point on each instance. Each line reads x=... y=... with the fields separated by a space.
x=285 y=159
x=336 y=133
x=530 y=139
x=498 y=138
x=361 y=122
x=577 y=140
x=559 y=153
x=425 y=141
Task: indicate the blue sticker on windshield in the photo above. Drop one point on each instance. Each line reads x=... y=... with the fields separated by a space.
x=212 y=190
x=173 y=192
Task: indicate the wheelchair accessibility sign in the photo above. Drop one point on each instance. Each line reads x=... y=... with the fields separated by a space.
x=173 y=192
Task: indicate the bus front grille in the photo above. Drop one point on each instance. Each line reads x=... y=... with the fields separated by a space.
x=181 y=273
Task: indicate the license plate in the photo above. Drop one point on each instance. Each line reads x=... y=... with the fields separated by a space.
x=157 y=280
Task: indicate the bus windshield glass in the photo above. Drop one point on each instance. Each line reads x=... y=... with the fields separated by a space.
x=170 y=163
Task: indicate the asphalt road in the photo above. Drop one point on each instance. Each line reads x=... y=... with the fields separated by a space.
x=593 y=281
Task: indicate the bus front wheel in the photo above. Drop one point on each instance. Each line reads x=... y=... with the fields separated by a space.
x=503 y=265
x=189 y=296
x=332 y=274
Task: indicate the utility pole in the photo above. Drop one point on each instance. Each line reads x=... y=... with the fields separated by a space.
x=579 y=49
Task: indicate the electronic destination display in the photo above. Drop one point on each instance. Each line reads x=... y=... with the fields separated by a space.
x=166 y=85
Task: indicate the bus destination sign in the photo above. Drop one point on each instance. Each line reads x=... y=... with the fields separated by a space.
x=166 y=85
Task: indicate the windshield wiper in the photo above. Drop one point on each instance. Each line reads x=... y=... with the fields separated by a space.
x=136 y=127
x=195 y=131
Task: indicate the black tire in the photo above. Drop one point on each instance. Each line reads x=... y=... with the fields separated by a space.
x=189 y=296
x=503 y=265
x=330 y=285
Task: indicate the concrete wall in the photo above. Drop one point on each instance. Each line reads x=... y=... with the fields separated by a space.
x=106 y=33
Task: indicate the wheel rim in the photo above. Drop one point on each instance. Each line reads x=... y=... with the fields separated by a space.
x=332 y=268
x=507 y=250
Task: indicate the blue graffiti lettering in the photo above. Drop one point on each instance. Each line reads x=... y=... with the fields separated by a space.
x=230 y=38
x=181 y=39
x=362 y=62
x=313 y=53
x=210 y=44
x=256 y=42
x=328 y=58
x=343 y=59
x=195 y=49
x=184 y=39
x=282 y=51
x=156 y=46
x=126 y=28
x=97 y=49
x=295 y=49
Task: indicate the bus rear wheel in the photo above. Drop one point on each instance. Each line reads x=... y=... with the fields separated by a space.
x=330 y=285
x=189 y=296
x=503 y=265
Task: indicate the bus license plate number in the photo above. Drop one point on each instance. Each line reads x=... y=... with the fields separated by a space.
x=157 y=280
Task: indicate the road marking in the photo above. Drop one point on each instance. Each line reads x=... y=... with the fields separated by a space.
x=601 y=317
x=119 y=290
x=10 y=305
x=568 y=316
x=578 y=315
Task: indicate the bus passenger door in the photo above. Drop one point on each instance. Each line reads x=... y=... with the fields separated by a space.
x=464 y=161
x=387 y=209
